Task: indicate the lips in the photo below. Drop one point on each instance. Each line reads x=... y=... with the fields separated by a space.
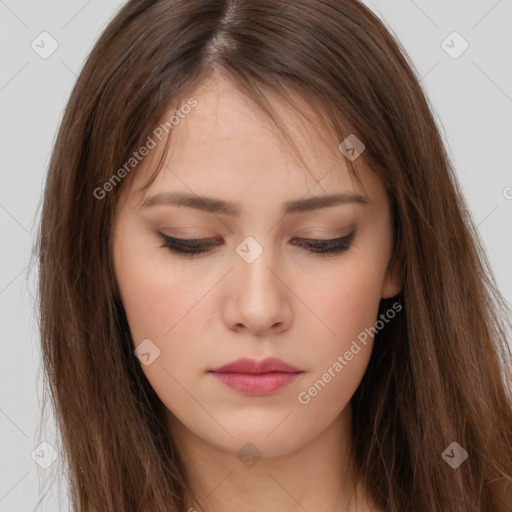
x=251 y=377
x=246 y=365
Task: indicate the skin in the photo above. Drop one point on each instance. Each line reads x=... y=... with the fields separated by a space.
x=209 y=310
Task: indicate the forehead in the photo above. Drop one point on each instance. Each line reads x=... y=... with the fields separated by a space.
x=228 y=126
x=228 y=143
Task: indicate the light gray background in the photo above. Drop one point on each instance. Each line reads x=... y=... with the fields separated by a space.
x=471 y=95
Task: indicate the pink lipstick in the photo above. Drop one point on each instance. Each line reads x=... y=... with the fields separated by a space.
x=252 y=377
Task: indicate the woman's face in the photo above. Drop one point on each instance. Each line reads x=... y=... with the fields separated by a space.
x=259 y=289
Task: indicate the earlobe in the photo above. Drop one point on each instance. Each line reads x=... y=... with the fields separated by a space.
x=393 y=282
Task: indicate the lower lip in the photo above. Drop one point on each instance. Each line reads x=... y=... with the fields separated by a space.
x=256 y=384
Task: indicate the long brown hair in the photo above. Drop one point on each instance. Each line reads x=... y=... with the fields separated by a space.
x=440 y=373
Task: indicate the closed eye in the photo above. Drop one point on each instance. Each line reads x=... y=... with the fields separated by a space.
x=192 y=247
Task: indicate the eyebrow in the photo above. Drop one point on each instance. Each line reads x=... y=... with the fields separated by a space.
x=214 y=205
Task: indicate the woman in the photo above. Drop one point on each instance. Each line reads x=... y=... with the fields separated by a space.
x=259 y=287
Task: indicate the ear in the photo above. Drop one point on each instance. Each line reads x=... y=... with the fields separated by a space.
x=393 y=281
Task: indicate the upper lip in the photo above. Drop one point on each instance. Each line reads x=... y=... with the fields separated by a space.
x=246 y=365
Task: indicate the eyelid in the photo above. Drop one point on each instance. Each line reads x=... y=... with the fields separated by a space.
x=338 y=244
x=323 y=247
x=207 y=240
x=201 y=239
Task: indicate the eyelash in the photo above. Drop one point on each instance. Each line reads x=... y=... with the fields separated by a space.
x=188 y=248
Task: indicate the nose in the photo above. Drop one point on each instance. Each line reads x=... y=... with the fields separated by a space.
x=258 y=296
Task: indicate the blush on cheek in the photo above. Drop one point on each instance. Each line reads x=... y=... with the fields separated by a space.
x=151 y=292
x=350 y=307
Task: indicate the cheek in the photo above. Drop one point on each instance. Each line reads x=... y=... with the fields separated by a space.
x=162 y=307
x=167 y=304
x=155 y=294
x=340 y=358
x=147 y=299
x=347 y=300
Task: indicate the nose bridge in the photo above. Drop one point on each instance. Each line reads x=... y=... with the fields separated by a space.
x=256 y=300
x=258 y=258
